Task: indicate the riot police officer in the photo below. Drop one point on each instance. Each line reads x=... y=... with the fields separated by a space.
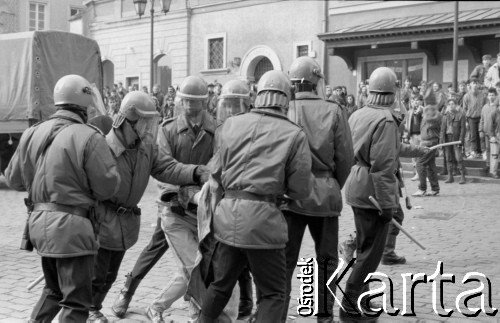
x=325 y=125
x=65 y=165
x=248 y=224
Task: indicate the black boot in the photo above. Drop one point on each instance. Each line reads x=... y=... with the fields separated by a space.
x=120 y=306
x=390 y=257
x=349 y=311
x=246 y=291
x=450 y=175
x=462 y=173
x=95 y=315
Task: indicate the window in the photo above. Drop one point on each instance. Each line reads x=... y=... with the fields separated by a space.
x=74 y=12
x=302 y=50
x=262 y=67
x=37 y=16
x=413 y=66
x=216 y=53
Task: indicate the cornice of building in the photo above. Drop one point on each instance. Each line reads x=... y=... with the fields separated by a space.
x=134 y=20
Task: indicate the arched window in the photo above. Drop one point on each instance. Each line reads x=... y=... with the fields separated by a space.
x=263 y=66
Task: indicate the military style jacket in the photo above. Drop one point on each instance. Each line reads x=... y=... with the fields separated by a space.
x=75 y=170
x=329 y=137
x=262 y=154
x=375 y=137
x=119 y=228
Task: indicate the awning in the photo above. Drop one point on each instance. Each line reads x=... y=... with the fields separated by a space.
x=472 y=23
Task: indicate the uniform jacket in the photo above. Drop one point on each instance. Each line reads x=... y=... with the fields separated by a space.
x=375 y=136
x=330 y=141
x=487 y=117
x=492 y=77
x=76 y=169
x=121 y=231
x=181 y=151
x=263 y=153
x=457 y=123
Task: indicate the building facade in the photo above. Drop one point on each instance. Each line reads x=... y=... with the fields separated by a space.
x=414 y=38
x=216 y=39
x=31 y=15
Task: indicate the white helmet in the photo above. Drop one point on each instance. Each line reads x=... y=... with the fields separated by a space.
x=73 y=89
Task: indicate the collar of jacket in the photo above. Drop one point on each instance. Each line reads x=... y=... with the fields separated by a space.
x=66 y=114
x=114 y=143
x=391 y=110
x=306 y=96
x=269 y=112
x=206 y=124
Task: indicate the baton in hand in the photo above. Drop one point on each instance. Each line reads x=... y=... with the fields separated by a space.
x=446 y=144
x=35 y=282
x=375 y=202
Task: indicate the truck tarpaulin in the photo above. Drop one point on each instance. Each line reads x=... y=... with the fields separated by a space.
x=32 y=62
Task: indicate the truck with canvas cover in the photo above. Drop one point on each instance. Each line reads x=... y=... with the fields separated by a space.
x=30 y=65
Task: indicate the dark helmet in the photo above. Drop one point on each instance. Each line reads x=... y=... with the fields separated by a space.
x=193 y=88
x=383 y=80
x=273 y=90
x=305 y=68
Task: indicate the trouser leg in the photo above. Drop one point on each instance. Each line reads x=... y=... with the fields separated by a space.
x=393 y=232
x=370 y=240
x=494 y=158
x=422 y=171
x=269 y=271
x=325 y=231
x=228 y=264
x=47 y=306
x=246 y=292
x=182 y=236
x=75 y=281
x=106 y=266
x=151 y=254
x=296 y=227
x=432 y=171
x=487 y=149
x=474 y=132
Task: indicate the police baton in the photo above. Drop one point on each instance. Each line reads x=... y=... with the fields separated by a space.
x=35 y=282
x=379 y=208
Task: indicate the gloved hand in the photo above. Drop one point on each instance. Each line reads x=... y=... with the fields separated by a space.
x=201 y=174
x=386 y=215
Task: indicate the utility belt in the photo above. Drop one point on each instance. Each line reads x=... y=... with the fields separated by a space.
x=121 y=210
x=74 y=210
x=322 y=173
x=53 y=207
x=243 y=195
x=172 y=203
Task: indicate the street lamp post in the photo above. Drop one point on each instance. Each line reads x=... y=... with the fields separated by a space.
x=140 y=8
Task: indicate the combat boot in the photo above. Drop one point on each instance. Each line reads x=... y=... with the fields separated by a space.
x=96 y=317
x=120 y=306
x=450 y=175
x=246 y=300
x=390 y=257
x=462 y=175
x=349 y=312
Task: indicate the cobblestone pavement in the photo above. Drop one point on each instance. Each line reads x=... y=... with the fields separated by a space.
x=459 y=228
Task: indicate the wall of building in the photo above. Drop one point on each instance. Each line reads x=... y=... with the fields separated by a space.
x=58 y=13
x=344 y=14
x=259 y=26
x=124 y=39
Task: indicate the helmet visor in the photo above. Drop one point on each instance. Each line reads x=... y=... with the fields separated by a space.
x=147 y=129
x=227 y=107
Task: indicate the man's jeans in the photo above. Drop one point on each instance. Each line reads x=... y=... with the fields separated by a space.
x=182 y=236
x=474 y=134
x=426 y=167
x=415 y=140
